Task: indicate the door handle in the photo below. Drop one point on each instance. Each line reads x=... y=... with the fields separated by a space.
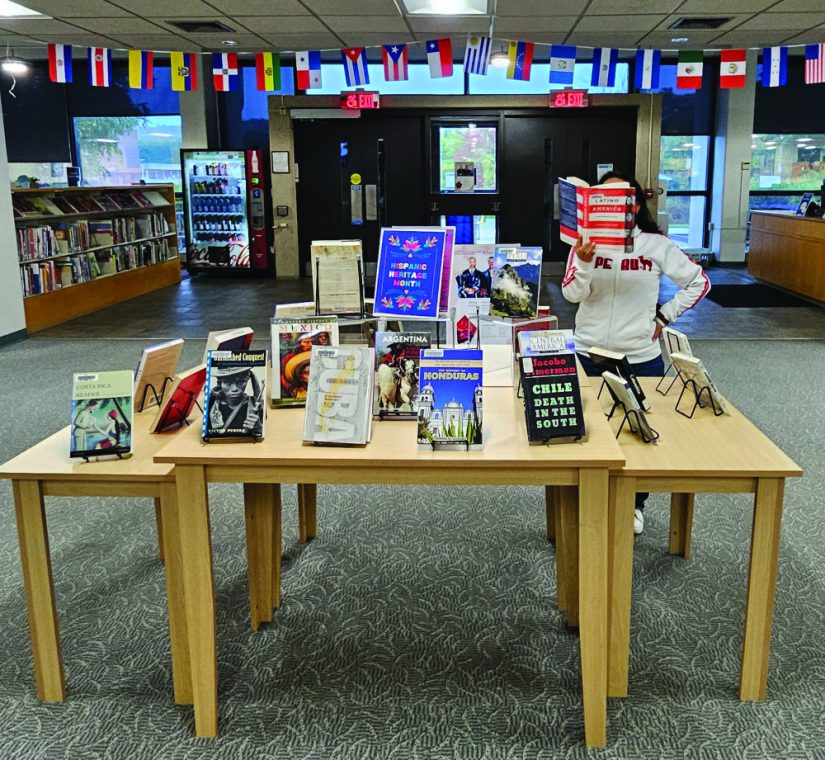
x=434 y=207
x=496 y=206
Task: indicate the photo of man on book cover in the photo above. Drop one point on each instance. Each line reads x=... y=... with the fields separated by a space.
x=235 y=402
x=295 y=354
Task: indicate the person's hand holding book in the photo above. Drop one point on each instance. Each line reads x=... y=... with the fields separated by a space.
x=584 y=251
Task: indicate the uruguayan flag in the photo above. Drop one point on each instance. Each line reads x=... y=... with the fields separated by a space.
x=477 y=54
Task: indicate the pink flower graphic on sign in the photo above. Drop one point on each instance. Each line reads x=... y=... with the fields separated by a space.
x=424 y=304
x=385 y=301
x=404 y=302
x=411 y=244
x=430 y=242
x=394 y=240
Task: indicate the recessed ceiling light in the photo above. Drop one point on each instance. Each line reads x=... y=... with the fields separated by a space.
x=678 y=39
x=446 y=7
x=804 y=139
x=14 y=65
x=9 y=9
x=229 y=42
x=500 y=60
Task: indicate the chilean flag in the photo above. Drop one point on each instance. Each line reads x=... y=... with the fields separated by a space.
x=355 y=66
x=395 y=59
x=100 y=66
x=225 y=71
x=60 y=63
x=440 y=58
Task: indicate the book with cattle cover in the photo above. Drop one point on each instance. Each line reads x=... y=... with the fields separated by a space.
x=397 y=358
x=552 y=398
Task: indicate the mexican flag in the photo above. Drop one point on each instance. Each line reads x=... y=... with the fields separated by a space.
x=689 y=70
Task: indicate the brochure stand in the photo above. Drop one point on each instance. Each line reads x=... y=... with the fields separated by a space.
x=697 y=399
x=362 y=314
x=630 y=417
x=158 y=396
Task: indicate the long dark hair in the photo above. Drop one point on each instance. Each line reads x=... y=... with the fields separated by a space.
x=644 y=219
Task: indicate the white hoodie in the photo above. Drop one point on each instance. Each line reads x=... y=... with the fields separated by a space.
x=617 y=295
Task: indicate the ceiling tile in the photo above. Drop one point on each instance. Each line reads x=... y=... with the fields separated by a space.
x=795 y=22
x=260 y=7
x=792 y=6
x=303 y=41
x=627 y=7
x=443 y=27
x=214 y=42
x=178 y=8
x=159 y=42
x=713 y=6
x=65 y=9
x=538 y=8
x=82 y=40
x=600 y=39
x=629 y=23
x=280 y=24
x=662 y=39
x=750 y=38
x=352 y=7
x=735 y=20
x=118 y=25
x=388 y=24
x=353 y=39
x=516 y=24
x=38 y=27
x=812 y=35
x=168 y=24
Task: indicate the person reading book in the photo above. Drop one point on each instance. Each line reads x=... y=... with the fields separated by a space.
x=618 y=296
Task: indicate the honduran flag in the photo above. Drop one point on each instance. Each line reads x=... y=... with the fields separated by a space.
x=814 y=64
x=225 y=71
x=520 y=60
x=604 y=67
x=774 y=67
x=355 y=66
x=308 y=69
x=440 y=58
x=140 y=70
x=60 y=63
x=184 y=70
x=477 y=55
x=732 y=69
x=100 y=66
x=562 y=63
x=648 y=67
x=395 y=58
x=689 y=70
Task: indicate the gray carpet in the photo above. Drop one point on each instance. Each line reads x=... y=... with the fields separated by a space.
x=421 y=623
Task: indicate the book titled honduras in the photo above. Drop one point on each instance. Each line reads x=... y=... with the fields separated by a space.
x=235 y=396
x=397 y=358
x=516 y=281
x=552 y=398
x=339 y=397
x=450 y=405
x=408 y=279
x=602 y=214
x=617 y=363
x=101 y=414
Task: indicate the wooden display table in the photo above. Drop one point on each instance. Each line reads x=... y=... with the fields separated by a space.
x=507 y=459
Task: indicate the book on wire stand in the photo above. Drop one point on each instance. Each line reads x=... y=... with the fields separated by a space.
x=397 y=358
x=552 y=398
x=617 y=363
x=625 y=399
x=694 y=375
x=155 y=370
x=235 y=401
x=101 y=414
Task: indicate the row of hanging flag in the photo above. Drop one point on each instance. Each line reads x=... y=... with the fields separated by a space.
x=520 y=59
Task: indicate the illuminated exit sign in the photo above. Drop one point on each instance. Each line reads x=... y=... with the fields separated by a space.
x=357 y=101
x=569 y=99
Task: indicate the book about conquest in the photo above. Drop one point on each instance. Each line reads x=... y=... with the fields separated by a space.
x=101 y=414
x=292 y=342
x=516 y=282
x=339 y=396
x=397 y=358
x=450 y=405
x=602 y=214
x=235 y=401
x=552 y=398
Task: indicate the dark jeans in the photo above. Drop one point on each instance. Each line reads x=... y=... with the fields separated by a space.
x=652 y=368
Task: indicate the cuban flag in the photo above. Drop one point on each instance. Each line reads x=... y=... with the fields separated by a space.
x=225 y=71
x=648 y=67
x=477 y=54
x=395 y=59
x=355 y=66
x=60 y=63
x=814 y=64
x=604 y=67
x=308 y=69
x=774 y=67
x=440 y=58
x=562 y=63
x=100 y=67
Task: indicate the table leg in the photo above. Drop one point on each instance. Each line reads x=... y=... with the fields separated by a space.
x=37 y=579
x=681 y=523
x=593 y=500
x=561 y=578
x=767 y=519
x=568 y=551
x=261 y=502
x=550 y=500
x=175 y=596
x=307 y=511
x=277 y=547
x=620 y=581
x=159 y=523
x=199 y=590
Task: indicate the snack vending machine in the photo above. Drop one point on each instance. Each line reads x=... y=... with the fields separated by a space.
x=226 y=201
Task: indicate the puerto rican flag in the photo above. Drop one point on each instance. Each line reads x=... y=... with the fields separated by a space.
x=732 y=69
x=60 y=63
x=604 y=67
x=225 y=71
x=814 y=64
x=395 y=59
x=308 y=69
x=355 y=66
x=440 y=58
x=100 y=66
x=775 y=67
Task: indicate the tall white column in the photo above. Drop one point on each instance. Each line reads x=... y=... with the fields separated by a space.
x=198 y=114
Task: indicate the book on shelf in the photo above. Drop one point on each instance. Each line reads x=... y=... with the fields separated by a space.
x=397 y=358
x=23 y=206
x=691 y=369
x=101 y=414
x=337 y=276
x=156 y=364
x=237 y=339
x=155 y=198
x=292 y=342
x=105 y=201
x=602 y=214
x=122 y=199
x=102 y=233
x=64 y=204
x=36 y=243
x=180 y=400
x=235 y=401
x=45 y=206
x=450 y=405
x=618 y=364
x=552 y=397
x=516 y=281
x=339 y=396
x=140 y=199
x=86 y=204
x=621 y=391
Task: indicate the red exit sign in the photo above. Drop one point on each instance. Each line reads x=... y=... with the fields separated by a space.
x=569 y=99
x=356 y=101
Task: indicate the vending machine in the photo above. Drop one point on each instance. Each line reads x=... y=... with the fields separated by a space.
x=226 y=196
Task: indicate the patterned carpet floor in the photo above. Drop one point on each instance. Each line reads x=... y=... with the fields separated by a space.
x=422 y=622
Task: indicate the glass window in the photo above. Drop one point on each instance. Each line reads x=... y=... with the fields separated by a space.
x=245 y=111
x=123 y=150
x=474 y=143
x=684 y=162
x=686 y=224
x=787 y=162
x=419 y=82
x=470 y=230
x=47 y=174
x=775 y=202
x=496 y=82
x=686 y=111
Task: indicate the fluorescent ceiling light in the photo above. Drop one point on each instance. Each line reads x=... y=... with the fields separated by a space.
x=9 y=9
x=804 y=139
x=678 y=39
x=229 y=42
x=160 y=134
x=445 y=7
x=14 y=66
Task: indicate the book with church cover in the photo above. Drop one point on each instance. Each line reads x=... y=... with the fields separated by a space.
x=450 y=405
x=101 y=414
x=552 y=398
x=617 y=363
x=180 y=399
x=235 y=401
x=516 y=282
x=339 y=396
x=397 y=356
x=156 y=364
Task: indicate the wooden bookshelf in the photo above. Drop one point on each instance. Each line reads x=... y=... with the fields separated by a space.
x=106 y=289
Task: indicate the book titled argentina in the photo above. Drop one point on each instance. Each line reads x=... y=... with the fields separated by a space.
x=339 y=395
x=235 y=395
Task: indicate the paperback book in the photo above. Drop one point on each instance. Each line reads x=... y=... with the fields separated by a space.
x=339 y=396
x=552 y=398
x=532 y=342
x=471 y=275
x=602 y=214
x=397 y=359
x=693 y=371
x=157 y=364
x=617 y=363
x=101 y=414
x=239 y=339
x=337 y=276
x=516 y=282
x=180 y=400
x=292 y=342
x=622 y=393
x=235 y=402
x=675 y=342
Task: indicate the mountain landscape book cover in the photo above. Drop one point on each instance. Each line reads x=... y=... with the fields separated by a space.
x=516 y=282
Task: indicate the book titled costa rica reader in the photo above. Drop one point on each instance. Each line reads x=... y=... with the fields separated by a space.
x=101 y=414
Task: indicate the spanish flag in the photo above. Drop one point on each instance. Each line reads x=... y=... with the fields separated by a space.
x=140 y=70
x=268 y=70
x=184 y=71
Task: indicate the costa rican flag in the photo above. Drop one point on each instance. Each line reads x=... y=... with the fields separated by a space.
x=775 y=67
x=648 y=66
x=562 y=63
x=355 y=66
x=604 y=67
x=308 y=69
x=814 y=64
x=100 y=66
x=395 y=59
x=440 y=58
x=60 y=63
x=225 y=71
x=477 y=55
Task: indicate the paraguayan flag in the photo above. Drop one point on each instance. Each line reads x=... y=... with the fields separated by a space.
x=477 y=54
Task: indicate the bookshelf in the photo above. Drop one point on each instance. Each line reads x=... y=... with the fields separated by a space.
x=81 y=249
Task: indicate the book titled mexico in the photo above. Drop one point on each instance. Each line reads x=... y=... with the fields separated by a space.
x=235 y=401
x=101 y=414
x=450 y=404
x=292 y=342
x=602 y=214
x=552 y=398
x=339 y=397
x=397 y=356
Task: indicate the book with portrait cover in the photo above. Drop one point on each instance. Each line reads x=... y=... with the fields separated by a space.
x=471 y=275
x=617 y=363
x=339 y=396
x=156 y=364
x=292 y=342
x=552 y=398
x=101 y=414
x=602 y=214
x=235 y=400
x=397 y=357
x=516 y=281
x=180 y=399
x=450 y=404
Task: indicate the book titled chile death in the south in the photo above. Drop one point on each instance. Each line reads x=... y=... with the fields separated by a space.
x=235 y=396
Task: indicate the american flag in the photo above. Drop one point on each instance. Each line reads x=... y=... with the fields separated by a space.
x=814 y=64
